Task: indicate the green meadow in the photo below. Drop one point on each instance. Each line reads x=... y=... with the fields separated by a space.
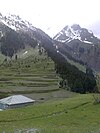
x=70 y=115
x=56 y=110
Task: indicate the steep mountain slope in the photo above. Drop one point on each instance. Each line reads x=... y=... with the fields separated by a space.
x=81 y=44
x=16 y=34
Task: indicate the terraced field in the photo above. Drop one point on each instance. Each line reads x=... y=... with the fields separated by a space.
x=32 y=75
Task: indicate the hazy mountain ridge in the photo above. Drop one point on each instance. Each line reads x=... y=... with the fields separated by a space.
x=83 y=45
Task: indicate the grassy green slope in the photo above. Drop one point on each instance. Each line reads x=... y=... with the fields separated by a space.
x=73 y=115
x=32 y=75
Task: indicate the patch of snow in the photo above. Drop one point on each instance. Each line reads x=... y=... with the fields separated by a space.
x=90 y=31
x=1 y=34
x=57 y=51
x=67 y=39
x=25 y=52
x=61 y=33
x=87 y=42
x=56 y=47
x=70 y=40
x=93 y=45
x=12 y=27
x=56 y=37
x=0 y=16
x=77 y=37
x=63 y=41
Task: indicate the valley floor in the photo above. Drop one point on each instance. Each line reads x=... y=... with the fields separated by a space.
x=56 y=110
x=72 y=115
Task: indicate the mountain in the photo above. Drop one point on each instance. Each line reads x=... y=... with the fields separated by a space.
x=16 y=34
x=16 y=23
x=81 y=44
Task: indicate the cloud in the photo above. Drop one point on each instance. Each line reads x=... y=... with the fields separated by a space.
x=95 y=27
x=54 y=13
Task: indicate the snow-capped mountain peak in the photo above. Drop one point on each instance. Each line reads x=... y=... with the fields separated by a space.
x=73 y=32
x=15 y=22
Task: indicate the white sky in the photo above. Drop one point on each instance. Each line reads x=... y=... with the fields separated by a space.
x=52 y=15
